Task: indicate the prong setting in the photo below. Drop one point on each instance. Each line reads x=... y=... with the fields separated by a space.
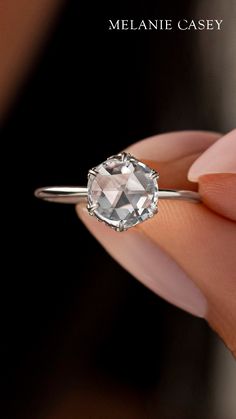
x=121 y=226
x=125 y=156
x=93 y=172
x=154 y=212
x=91 y=208
x=154 y=175
x=122 y=191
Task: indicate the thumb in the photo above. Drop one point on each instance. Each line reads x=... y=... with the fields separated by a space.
x=215 y=171
x=186 y=253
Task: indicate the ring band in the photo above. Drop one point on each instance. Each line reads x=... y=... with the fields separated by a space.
x=122 y=192
x=76 y=194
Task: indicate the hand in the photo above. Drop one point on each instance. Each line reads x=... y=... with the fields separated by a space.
x=187 y=253
x=24 y=26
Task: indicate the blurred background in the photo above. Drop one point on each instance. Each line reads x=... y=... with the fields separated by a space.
x=80 y=337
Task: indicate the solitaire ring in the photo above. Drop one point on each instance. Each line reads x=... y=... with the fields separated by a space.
x=122 y=192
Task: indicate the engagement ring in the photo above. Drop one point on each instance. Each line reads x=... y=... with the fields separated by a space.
x=122 y=192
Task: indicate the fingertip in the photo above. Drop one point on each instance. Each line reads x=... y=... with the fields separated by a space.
x=220 y=157
x=173 y=145
x=218 y=192
x=147 y=262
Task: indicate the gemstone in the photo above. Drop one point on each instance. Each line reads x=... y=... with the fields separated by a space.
x=122 y=191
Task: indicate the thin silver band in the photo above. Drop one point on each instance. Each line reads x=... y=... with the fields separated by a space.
x=75 y=195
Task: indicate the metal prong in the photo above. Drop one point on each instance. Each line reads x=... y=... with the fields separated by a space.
x=125 y=156
x=92 y=208
x=93 y=172
x=155 y=211
x=154 y=174
x=121 y=226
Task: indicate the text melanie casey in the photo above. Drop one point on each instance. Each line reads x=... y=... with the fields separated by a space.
x=165 y=24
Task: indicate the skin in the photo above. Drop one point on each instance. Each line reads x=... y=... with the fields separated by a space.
x=199 y=238
x=24 y=26
x=181 y=231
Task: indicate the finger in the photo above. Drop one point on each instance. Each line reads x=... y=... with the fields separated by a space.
x=211 y=266
x=218 y=192
x=203 y=244
x=149 y=263
x=23 y=25
x=215 y=170
x=172 y=154
x=181 y=254
x=219 y=158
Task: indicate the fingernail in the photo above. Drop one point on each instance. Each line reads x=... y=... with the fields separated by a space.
x=219 y=158
x=147 y=262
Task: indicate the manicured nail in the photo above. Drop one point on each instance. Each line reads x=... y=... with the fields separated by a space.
x=147 y=262
x=218 y=158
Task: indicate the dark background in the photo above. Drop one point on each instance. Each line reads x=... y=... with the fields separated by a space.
x=73 y=321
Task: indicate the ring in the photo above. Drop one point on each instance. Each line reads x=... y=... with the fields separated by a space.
x=122 y=192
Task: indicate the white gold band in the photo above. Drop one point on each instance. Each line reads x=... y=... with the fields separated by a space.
x=121 y=192
x=75 y=195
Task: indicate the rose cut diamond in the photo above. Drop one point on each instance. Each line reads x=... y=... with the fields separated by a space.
x=122 y=192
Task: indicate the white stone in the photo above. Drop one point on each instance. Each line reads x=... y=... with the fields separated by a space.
x=122 y=192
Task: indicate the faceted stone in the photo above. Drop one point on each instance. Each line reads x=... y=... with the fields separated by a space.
x=122 y=192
